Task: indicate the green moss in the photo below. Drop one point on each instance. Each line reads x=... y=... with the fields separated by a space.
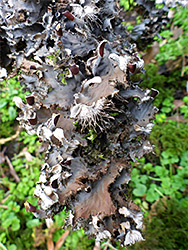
x=171 y=137
x=166 y=227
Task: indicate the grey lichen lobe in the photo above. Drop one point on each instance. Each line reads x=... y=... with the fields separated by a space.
x=92 y=118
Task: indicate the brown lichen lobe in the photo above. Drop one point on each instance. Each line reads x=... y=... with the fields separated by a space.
x=98 y=201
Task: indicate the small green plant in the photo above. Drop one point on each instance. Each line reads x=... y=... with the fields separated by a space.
x=165 y=84
x=53 y=58
x=184 y=108
x=13 y=216
x=129 y=26
x=79 y=241
x=174 y=47
x=9 y=89
x=31 y=142
x=160 y=118
x=169 y=176
x=92 y=135
x=62 y=76
x=167 y=105
x=127 y=4
x=8 y=109
x=152 y=182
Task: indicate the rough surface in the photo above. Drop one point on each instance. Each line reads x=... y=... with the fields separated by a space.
x=75 y=60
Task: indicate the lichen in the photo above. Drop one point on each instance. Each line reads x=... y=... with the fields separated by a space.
x=86 y=40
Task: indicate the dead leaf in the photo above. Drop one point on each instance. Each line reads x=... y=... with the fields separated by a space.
x=50 y=244
x=177 y=32
x=151 y=52
x=61 y=240
x=174 y=64
x=177 y=118
x=39 y=236
x=12 y=170
x=27 y=155
x=2 y=156
x=163 y=43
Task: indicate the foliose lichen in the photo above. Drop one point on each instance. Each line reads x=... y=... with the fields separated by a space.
x=76 y=61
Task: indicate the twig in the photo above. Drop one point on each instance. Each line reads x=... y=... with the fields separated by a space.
x=12 y=170
x=2 y=159
x=106 y=247
x=107 y=244
x=50 y=244
x=4 y=206
x=183 y=66
x=61 y=240
x=6 y=198
x=177 y=119
x=4 y=140
x=2 y=246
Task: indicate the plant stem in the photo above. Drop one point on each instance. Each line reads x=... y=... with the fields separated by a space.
x=158 y=192
x=2 y=246
x=154 y=179
x=107 y=244
x=171 y=170
x=12 y=170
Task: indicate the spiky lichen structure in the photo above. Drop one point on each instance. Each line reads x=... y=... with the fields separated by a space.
x=76 y=62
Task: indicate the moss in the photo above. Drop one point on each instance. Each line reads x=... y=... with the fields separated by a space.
x=166 y=227
x=170 y=136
